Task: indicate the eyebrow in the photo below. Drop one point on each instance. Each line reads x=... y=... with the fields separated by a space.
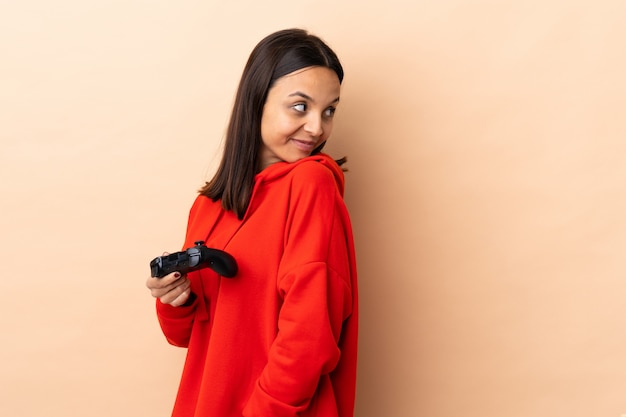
x=309 y=98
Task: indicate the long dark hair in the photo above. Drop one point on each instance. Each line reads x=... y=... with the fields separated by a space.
x=278 y=54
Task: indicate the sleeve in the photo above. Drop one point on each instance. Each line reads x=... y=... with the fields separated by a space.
x=316 y=299
x=177 y=322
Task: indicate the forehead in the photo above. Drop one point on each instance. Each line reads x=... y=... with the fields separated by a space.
x=320 y=81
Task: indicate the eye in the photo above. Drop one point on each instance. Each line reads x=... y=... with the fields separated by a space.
x=330 y=112
x=299 y=107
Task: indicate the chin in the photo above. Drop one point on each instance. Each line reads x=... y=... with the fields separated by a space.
x=295 y=158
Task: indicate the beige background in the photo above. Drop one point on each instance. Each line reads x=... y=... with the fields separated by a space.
x=486 y=144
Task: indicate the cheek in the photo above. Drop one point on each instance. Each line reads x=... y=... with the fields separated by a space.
x=328 y=128
x=270 y=125
x=283 y=126
x=265 y=131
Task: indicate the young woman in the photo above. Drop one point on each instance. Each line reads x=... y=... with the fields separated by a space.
x=280 y=338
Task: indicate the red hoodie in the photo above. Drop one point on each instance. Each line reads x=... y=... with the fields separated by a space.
x=280 y=338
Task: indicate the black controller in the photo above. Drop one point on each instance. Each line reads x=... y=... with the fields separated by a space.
x=192 y=259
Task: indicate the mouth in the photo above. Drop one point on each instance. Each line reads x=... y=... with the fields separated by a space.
x=304 y=145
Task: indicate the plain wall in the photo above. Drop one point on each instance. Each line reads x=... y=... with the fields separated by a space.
x=487 y=179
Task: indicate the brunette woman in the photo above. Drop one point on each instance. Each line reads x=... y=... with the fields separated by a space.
x=280 y=338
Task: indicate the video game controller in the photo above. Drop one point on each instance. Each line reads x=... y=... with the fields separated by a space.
x=193 y=259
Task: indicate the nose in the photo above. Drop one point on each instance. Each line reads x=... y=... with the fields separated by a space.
x=314 y=126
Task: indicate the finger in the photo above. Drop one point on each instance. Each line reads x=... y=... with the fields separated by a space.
x=159 y=287
x=168 y=280
x=181 y=299
x=166 y=295
x=176 y=296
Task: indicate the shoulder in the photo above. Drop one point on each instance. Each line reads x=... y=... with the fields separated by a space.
x=313 y=185
x=202 y=203
x=202 y=208
x=311 y=169
x=315 y=173
x=312 y=181
x=202 y=217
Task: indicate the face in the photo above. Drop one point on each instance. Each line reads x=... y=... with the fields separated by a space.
x=298 y=114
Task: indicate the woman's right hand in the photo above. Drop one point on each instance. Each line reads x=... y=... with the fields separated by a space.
x=173 y=289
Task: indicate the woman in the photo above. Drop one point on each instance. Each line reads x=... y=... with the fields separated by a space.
x=280 y=338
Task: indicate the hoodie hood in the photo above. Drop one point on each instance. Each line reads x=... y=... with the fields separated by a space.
x=280 y=169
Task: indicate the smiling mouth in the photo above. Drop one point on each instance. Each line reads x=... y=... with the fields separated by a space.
x=304 y=145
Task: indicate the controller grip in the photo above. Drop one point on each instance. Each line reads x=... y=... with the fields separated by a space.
x=193 y=259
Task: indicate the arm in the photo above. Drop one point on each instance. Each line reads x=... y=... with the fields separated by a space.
x=317 y=298
x=176 y=322
x=175 y=308
x=172 y=293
